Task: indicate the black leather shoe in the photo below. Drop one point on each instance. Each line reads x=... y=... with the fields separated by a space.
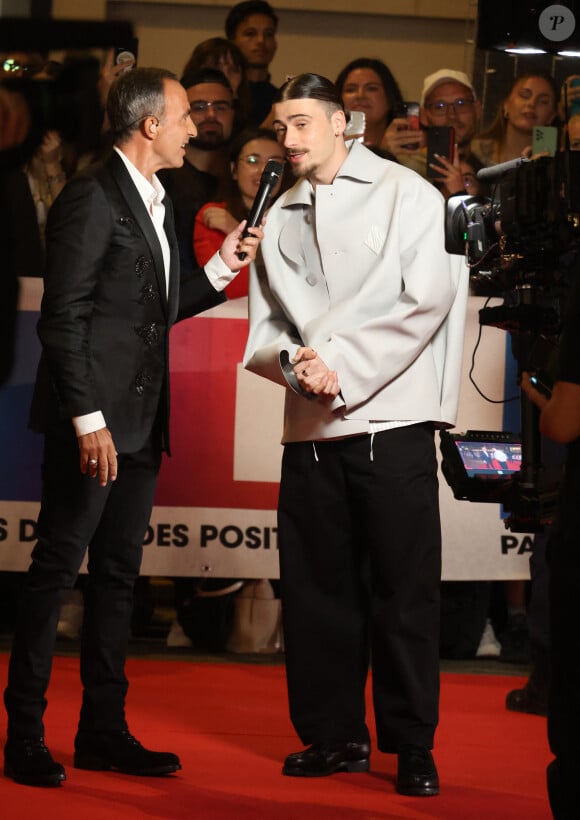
x=322 y=759
x=527 y=700
x=98 y=751
x=417 y=774
x=28 y=761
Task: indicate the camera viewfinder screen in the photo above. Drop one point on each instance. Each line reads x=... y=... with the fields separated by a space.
x=490 y=459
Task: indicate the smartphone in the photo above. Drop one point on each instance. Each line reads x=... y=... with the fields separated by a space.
x=412 y=114
x=545 y=138
x=542 y=383
x=355 y=125
x=441 y=141
x=125 y=53
x=410 y=111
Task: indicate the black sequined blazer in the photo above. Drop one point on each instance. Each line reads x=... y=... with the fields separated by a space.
x=105 y=314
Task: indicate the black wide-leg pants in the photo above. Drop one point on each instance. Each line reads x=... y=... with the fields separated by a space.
x=360 y=562
x=77 y=512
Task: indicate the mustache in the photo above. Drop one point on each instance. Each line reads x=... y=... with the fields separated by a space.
x=215 y=123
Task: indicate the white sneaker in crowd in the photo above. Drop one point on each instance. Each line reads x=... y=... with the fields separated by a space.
x=489 y=646
x=177 y=637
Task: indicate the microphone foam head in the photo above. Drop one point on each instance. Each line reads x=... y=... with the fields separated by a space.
x=272 y=170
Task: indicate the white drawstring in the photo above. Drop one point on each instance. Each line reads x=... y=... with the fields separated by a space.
x=372 y=454
x=314 y=449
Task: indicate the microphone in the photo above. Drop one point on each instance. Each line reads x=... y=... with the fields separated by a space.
x=494 y=172
x=268 y=181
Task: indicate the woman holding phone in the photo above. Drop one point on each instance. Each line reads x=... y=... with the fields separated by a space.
x=367 y=85
x=532 y=101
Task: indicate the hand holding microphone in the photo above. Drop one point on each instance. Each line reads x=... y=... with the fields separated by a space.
x=268 y=181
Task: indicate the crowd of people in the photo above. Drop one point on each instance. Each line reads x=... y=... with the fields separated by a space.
x=341 y=279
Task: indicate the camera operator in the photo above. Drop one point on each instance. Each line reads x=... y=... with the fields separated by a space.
x=560 y=421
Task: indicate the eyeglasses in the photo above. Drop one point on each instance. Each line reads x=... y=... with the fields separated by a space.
x=201 y=106
x=254 y=160
x=469 y=180
x=440 y=109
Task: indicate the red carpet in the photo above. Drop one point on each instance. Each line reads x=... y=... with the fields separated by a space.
x=229 y=724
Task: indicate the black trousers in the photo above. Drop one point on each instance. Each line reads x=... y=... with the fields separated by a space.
x=360 y=561
x=77 y=512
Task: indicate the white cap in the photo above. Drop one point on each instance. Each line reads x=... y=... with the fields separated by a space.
x=444 y=75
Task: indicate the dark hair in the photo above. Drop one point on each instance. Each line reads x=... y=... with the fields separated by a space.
x=134 y=95
x=205 y=75
x=230 y=192
x=208 y=54
x=238 y=13
x=390 y=85
x=246 y=136
x=310 y=87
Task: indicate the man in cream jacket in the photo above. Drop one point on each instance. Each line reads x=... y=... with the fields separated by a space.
x=358 y=310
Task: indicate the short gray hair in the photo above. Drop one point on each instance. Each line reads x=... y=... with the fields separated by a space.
x=135 y=95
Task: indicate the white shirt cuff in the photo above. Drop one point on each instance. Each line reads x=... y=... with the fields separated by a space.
x=89 y=423
x=218 y=272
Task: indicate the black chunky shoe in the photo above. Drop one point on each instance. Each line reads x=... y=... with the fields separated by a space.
x=417 y=774
x=28 y=761
x=529 y=700
x=322 y=759
x=120 y=751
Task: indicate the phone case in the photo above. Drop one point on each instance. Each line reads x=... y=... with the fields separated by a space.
x=355 y=127
x=441 y=141
x=412 y=115
x=545 y=138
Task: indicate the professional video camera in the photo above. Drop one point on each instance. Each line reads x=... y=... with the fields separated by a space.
x=521 y=233
x=523 y=244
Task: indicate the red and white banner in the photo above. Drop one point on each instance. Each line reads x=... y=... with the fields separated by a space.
x=215 y=506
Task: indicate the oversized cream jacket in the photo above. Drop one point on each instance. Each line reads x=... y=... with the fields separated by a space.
x=380 y=301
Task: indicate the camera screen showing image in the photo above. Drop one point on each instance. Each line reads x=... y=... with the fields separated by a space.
x=480 y=465
x=489 y=459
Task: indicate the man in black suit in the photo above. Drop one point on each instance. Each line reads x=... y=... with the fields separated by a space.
x=112 y=291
